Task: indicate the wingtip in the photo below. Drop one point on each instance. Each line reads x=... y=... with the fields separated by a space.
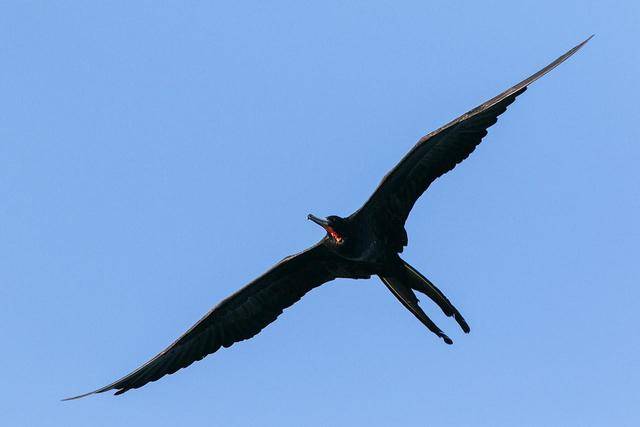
x=80 y=396
x=586 y=40
x=575 y=48
x=66 y=399
x=578 y=46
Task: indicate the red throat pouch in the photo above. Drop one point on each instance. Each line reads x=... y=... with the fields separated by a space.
x=337 y=237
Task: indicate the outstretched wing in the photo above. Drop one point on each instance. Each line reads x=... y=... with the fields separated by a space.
x=437 y=153
x=241 y=315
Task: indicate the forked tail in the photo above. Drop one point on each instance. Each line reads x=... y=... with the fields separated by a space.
x=421 y=284
x=405 y=280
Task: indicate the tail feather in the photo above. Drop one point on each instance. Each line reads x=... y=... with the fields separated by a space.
x=406 y=296
x=421 y=284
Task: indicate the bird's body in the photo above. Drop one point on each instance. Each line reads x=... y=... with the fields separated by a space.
x=366 y=243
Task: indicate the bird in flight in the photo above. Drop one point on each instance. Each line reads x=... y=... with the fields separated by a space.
x=364 y=244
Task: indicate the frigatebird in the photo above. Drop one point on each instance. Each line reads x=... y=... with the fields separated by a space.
x=366 y=243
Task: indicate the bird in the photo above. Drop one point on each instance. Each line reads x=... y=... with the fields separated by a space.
x=364 y=244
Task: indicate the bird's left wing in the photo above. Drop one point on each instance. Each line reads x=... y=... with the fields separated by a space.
x=241 y=315
x=440 y=151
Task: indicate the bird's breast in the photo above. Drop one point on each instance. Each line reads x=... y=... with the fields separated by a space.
x=369 y=250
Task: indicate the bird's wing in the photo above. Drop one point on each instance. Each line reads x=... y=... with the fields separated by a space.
x=241 y=315
x=440 y=151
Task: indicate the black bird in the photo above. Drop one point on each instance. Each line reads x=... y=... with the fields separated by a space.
x=364 y=244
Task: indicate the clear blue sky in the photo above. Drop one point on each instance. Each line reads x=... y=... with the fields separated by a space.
x=143 y=145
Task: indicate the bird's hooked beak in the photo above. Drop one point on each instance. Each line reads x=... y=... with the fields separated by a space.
x=321 y=222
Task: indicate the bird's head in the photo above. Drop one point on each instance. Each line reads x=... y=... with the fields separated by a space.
x=335 y=226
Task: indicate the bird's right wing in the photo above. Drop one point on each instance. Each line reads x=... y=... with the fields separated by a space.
x=438 y=152
x=241 y=315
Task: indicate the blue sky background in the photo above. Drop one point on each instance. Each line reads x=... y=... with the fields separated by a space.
x=142 y=145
